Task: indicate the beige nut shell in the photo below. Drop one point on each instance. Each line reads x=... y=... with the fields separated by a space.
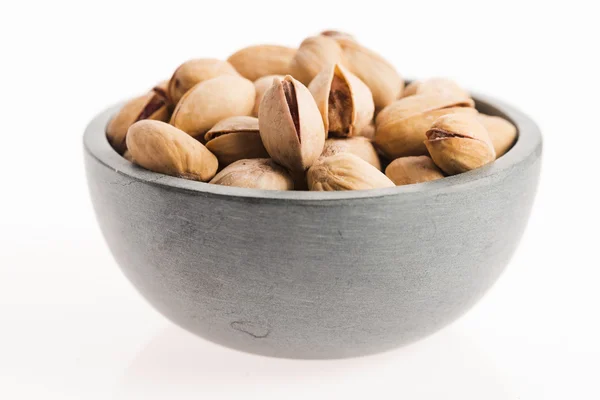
x=261 y=85
x=345 y=102
x=262 y=174
x=409 y=170
x=290 y=125
x=359 y=146
x=401 y=126
x=235 y=138
x=152 y=106
x=378 y=74
x=441 y=86
x=314 y=54
x=192 y=72
x=160 y=147
x=502 y=133
x=345 y=171
x=459 y=143
x=254 y=62
x=212 y=101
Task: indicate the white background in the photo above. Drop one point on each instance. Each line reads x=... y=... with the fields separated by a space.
x=71 y=326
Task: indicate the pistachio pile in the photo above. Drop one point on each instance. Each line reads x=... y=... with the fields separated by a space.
x=329 y=115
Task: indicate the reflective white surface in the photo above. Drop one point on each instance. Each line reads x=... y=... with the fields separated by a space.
x=72 y=327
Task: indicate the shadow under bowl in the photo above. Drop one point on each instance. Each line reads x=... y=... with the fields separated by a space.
x=314 y=274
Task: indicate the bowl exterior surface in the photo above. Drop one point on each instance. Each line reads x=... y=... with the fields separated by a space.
x=312 y=278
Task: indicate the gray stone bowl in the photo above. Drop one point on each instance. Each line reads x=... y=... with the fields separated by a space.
x=314 y=274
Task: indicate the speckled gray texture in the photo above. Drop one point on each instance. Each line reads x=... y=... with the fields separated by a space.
x=314 y=275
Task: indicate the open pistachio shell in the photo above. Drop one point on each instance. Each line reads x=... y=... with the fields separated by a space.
x=261 y=85
x=153 y=105
x=401 y=126
x=235 y=138
x=212 y=101
x=411 y=105
x=359 y=146
x=458 y=143
x=257 y=174
x=404 y=136
x=502 y=133
x=160 y=147
x=409 y=170
x=254 y=62
x=379 y=75
x=290 y=124
x=345 y=171
x=314 y=54
x=192 y=72
x=345 y=102
x=441 y=86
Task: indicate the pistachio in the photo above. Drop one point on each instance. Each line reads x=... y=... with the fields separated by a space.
x=359 y=146
x=314 y=54
x=338 y=35
x=441 y=86
x=160 y=147
x=257 y=61
x=345 y=102
x=260 y=173
x=212 y=101
x=162 y=89
x=235 y=138
x=401 y=126
x=261 y=85
x=192 y=72
x=290 y=125
x=379 y=75
x=459 y=143
x=502 y=133
x=345 y=171
x=368 y=131
x=153 y=105
x=409 y=170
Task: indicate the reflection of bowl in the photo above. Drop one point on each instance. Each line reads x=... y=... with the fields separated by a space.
x=314 y=274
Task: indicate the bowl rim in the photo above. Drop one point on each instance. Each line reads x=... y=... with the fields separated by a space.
x=529 y=139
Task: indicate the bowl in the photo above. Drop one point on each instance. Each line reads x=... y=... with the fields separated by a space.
x=314 y=274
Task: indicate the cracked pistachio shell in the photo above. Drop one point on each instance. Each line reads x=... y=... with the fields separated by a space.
x=192 y=72
x=314 y=54
x=290 y=124
x=257 y=61
x=359 y=146
x=458 y=143
x=212 y=101
x=377 y=73
x=160 y=147
x=345 y=171
x=441 y=86
x=502 y=133
x=409 y=170
x=235 y=138
x=405 y=137
x=153 y=105
x=401 y=126
x=260 y=173
x=261 y=85
x=345 y=102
